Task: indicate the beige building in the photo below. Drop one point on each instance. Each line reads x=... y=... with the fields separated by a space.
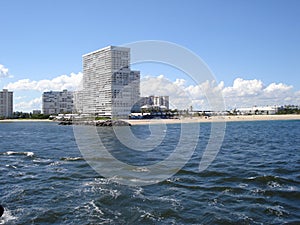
x=6 y=103
x=110 y=87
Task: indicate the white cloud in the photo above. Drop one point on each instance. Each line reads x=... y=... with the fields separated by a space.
x=4 y=72
x=28 y=106
x=244 y=88
x=162 y=86
x=180 y=82
x=246 y=93
x=242 y=93
x=182 y=96
x=32 y=87
x=273 y=88
x=59 y=83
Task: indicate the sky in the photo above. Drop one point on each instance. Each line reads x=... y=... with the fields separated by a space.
x=252 y=47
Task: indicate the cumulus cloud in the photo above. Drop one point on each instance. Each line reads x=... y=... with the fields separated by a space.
x=30 y=101
x=28 y=106
x=4 y=72
x=182 y=96
x=245 y=93
x=205 y=96
x=162 y=86
x=275 y=88
x=244 y=88
x=59 y=83
x=180 y=82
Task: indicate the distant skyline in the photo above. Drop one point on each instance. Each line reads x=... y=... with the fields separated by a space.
x=252 y=47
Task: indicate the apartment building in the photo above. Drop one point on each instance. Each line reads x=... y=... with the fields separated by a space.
x=6 y=103
x=154 y=101
x=110 y=87
x=55 y=102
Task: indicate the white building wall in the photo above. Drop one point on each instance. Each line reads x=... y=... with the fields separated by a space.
x=160 y=101
x=263 y=110
x=110 y=88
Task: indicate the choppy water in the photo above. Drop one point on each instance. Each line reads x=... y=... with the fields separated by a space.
x=255 y=179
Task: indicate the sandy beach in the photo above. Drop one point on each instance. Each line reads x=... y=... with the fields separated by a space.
x=24 y=120
x=186 y=120
x=216 y=119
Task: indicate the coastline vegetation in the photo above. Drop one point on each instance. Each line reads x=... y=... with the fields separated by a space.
x=25 y=115
x=288 y=109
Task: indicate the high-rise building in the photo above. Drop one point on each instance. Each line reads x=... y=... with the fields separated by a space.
x=110 y=87
x=55 y=102
x=6 y=103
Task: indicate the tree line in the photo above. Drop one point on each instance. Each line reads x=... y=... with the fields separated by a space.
x=25 y=115
x=288 y=109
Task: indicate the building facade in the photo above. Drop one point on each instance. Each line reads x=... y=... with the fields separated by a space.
x=161 y=101
x=55 y=102
x=152 y=101
x=36 y=111
x=109 y=86
x=262 y=110
x=6 y=103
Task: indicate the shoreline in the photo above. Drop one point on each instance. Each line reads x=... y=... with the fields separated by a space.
x=25 y=120
x=186 y=120
x=215 y=119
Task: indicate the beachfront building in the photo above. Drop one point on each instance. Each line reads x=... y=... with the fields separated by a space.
x=36 y=112
x=55 y=102
x=151 y=107
x=109 y=88
x=6 y=103
x=262 y=110
x=154 y=102
x=160 y=101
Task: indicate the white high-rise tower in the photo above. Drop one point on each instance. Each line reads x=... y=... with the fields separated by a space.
x=6 y=103
x=110 y=88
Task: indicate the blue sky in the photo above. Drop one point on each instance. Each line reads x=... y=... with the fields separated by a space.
x=42 y=40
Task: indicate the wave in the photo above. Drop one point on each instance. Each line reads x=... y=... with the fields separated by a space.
x=272 y=181
x=71 y=158
x=29 y=154
x=11 y=166
x=95 y=207
x=7 y=217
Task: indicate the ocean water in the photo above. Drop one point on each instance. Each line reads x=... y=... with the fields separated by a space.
x=255 y=179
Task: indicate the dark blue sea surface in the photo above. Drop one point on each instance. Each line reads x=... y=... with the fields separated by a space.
x=255 y=178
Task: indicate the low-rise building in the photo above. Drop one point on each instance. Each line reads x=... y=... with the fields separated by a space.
x=262 y=110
